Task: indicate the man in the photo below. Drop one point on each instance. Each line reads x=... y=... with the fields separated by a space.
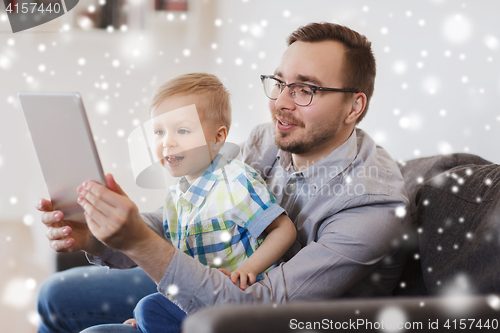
x=344 y=194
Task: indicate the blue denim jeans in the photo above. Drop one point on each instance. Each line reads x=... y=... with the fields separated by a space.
x=82 y=297
x=156 y=314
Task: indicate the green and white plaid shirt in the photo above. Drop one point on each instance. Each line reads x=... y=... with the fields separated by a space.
x=219 y=219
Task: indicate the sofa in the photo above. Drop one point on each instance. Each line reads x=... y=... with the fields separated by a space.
x=451 y=279
x=452 y=274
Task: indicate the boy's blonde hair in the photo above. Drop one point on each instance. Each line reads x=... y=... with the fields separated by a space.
x=216 y=105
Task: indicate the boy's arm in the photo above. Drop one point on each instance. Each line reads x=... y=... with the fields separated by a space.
x=281 y=234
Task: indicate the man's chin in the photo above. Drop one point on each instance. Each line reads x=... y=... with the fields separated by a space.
x=290 y=147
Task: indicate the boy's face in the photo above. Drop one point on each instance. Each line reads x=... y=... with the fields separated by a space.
x=180 y=139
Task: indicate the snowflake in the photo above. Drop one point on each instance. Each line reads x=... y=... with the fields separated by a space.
x=457 y=28
x=225 y=236
x=173 y=290
x=28 y=220
x=391 y=316
x=494 y=302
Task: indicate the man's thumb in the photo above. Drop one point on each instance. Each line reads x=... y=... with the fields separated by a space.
x=112 y=185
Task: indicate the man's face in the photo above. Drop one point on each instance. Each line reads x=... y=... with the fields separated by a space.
x=312 y=128
x=179 y=137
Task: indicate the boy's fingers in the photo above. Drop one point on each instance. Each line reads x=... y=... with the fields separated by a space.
x=234 y=277
x=243 y=281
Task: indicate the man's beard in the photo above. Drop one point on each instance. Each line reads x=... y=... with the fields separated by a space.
x=310 y=141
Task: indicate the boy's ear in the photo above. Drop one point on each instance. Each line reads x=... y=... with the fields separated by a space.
x=221 y=134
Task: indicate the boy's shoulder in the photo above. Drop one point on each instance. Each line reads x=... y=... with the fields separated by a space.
x=235 y=169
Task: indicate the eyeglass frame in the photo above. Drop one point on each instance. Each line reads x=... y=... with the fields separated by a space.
x=312 y=87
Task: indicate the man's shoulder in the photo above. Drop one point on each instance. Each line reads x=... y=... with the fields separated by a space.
x=262 y=136
x=374 y=170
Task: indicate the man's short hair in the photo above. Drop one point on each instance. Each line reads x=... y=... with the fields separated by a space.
x=359 y=67
x=215 y=97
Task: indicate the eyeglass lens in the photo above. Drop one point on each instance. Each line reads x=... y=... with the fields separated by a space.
x=301 y=94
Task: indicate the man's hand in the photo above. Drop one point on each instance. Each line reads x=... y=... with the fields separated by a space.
x=111 y=216
x=66 y=236
x=115 y=220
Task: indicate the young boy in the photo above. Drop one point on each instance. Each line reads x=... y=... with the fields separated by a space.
x=218 y=210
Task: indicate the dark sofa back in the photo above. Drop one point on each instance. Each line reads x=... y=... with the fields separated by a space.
x=416 y=173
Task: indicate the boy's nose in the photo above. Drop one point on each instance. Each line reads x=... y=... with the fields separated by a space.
x=169 y=142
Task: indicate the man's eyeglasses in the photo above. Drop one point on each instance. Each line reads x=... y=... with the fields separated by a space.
x=301 y=93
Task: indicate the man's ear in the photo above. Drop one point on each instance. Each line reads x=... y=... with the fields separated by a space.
x=357 y=107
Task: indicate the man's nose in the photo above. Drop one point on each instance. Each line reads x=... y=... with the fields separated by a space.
x=284 y=100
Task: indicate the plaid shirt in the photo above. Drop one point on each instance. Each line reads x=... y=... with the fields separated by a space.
x=219 y=219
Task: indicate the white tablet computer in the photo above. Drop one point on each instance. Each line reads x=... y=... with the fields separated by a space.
x=64 y=146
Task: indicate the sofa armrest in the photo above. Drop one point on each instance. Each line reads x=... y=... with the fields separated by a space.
x=357 y=315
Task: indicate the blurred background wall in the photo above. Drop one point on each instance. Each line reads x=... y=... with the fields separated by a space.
x=437 y=89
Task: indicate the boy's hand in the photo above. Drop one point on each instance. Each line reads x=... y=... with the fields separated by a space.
x=130 y=321
x=247 y=278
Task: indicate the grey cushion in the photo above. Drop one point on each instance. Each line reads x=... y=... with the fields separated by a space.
x=345 y=315
x=459 y=212
x=415 y=172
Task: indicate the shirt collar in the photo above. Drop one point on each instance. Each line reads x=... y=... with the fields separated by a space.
x=196 y=192
x=328 y=167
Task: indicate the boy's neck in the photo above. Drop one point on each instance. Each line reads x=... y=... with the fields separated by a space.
x=192 y=178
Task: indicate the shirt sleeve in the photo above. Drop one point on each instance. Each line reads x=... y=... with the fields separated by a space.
x=349 y=247
x=116 y=259
x=254 y=206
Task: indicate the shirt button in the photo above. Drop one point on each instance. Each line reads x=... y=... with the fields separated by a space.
x=170 y=297
x=292 y=186
x=205 y=226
